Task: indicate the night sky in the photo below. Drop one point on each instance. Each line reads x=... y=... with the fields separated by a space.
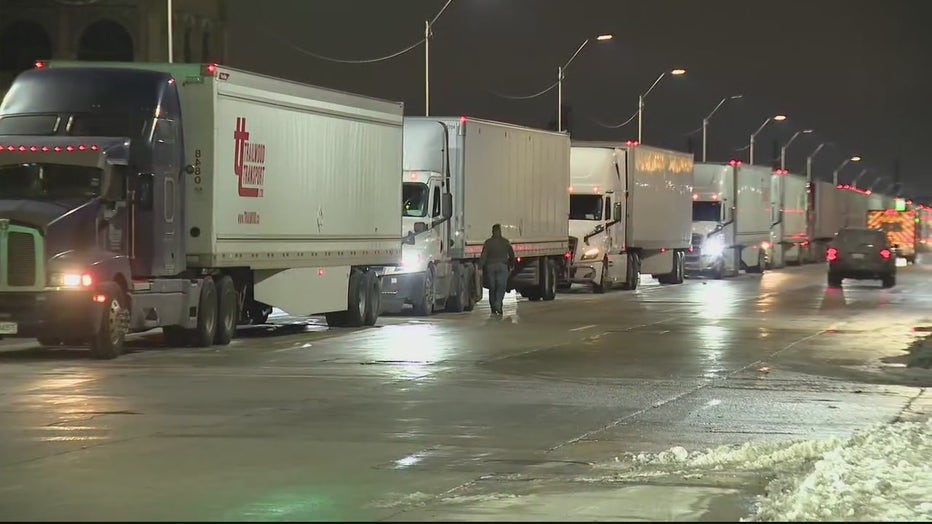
x=856 y=72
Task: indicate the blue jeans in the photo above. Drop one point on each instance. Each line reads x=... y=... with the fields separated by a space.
x=498 y=281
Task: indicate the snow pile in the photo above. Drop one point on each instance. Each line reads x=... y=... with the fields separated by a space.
x=881 y=474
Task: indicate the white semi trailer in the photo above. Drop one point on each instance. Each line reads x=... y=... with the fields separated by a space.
x=790 y=231
x=461 y=176
x=191 y=197
x=630 y=213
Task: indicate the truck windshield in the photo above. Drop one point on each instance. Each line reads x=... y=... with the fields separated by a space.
x=707 y=211
x=585 y=207
x=49 y=182
x=414 y=196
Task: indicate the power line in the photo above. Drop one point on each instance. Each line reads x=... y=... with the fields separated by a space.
x=527 y=97
x=301 y=50
x=615 y=126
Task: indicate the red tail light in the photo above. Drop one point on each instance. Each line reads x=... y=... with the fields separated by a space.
x=519 y=260
x=885 y=254
x=567 y=256
x=831 y=255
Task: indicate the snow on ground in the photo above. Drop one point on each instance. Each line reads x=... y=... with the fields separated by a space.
x=881 y=473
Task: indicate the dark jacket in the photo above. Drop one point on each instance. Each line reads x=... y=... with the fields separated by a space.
x=497 y=249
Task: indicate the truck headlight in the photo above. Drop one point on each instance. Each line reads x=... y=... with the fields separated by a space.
x=591 y=254
x=713 y=247
x=71 y=280
x=412 y=261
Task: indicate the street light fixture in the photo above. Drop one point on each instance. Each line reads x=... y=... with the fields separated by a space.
x=776 y=118
x=560 y=70
x=788 y=142
x=705 y=122
x=842 y=166
x=675 y=72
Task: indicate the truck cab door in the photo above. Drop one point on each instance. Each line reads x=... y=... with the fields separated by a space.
x=167 y=220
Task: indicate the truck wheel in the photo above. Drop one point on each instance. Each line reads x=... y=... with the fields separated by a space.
x=472 y=284
x=424 y=303
x=206 y=329
x=599 y=287
x=834 y=280
x=456 y=303
x=633 y=273
x=110 y=338
x=227 y=308
x=680 y=268
x=374 y=298
x=550 y=293
x=719 y=272
x=49 y=341
x=357 y=305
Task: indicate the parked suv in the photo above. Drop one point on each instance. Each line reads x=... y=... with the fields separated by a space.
x=861 y=254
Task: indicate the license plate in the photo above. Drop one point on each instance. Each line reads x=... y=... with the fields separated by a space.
x=8 y=328
x=857 y=256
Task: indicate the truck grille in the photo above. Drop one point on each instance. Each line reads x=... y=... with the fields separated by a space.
x=21 y=259
x=696 y=241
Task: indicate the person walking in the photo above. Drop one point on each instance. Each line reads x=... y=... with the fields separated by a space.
x=496 y=261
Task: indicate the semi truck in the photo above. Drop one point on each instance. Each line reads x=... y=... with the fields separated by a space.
x=789 y=234
x=192 y=198
x=732 y=217
x=630 y=213
x=826 y=217
x=461 y=176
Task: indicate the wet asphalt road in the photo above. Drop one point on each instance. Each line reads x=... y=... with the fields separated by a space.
x=460 y=416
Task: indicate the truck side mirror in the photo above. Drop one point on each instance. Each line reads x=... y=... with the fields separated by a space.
x=145 y=185
x=616 y=212
x=446 y=206
x=420 y=227
x=113 y=184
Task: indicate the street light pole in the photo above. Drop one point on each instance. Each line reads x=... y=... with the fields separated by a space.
x=560 y=71
x=855 y=181
x=790 y=141
x=171 y=36
x=877 y=181
x=842 y=166
x=809 y=160
x=705 y=122
x=427 y=34
x=675 y=72
x=778 y=118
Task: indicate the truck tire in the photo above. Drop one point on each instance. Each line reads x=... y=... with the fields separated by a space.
x=49 y=341
x=600 y=287
x=472 y=281
x=424 y=302
x=551 y=291
x=459 y=297
x=680 y=276
x=374 y=298
x=633 y=272
x=834 y=281
x=110 y=339
x=357 y=304
x=227 y=309
x=206 y=330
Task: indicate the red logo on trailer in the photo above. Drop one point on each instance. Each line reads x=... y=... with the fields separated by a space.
x=248 y=162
